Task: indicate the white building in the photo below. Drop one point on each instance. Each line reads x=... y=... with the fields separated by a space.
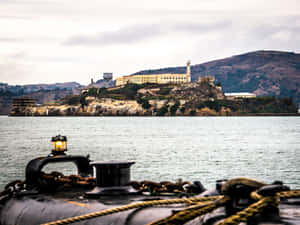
x=239 y=95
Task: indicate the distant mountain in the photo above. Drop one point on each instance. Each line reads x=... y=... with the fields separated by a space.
x=40 y=92
x=262 y=72
x=43 y=93
x=29 y=88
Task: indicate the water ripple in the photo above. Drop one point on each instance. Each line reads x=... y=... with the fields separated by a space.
x=193 y=148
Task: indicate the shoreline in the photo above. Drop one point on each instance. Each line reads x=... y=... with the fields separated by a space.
x=232 y=115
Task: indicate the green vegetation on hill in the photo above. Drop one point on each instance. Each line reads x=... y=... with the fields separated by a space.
x=264 y=104
x=71 y=100
x=128 y=92
x=144 y=102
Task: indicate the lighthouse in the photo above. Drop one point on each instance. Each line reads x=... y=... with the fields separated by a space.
x=188 y=71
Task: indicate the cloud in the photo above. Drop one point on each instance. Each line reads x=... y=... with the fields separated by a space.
x=6 y=17
x=8 y=39
x=202 y=27
x=34 y=40
x=138 y=33
x=14 y=71
x=134 y=35
x=274 y=33
x=125 y=35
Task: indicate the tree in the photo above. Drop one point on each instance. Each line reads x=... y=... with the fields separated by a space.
x=102 y=92
x=162 y=111
x=92 y=92
x=146 y=104
x=218 y=84
x=182 y=109
x=174 y=108
x=73 y=99
x=192 y=112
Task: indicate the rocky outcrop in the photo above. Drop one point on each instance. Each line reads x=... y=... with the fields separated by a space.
x=203 y=90
x=200 y=91
x=111 y=107
x=103 y=107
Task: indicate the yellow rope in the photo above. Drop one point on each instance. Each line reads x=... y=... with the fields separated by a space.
x=254 y=195
x=289 y=194
x=283 y=194
x=241 y=180
x=131 y=206
x=250 y=211
x=259 y=206
x=190 y=214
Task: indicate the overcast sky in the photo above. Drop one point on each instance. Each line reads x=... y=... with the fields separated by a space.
x=47 y=41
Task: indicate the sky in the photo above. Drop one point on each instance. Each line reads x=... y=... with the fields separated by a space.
x=49 y=41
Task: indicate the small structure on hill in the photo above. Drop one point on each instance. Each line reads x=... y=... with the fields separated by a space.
x=209 y=79
x=157 y=78
x=106 y=82
x=23 y=102
x=92 y=83
x=20 y=106
x=107 y=76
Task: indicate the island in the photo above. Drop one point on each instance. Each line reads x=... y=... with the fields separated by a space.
x=201 y=98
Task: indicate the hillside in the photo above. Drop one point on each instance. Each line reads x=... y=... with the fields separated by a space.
x=42 y=93
x=262 y=72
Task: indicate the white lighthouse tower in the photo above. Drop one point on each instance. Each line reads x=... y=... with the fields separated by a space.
x=188 y=71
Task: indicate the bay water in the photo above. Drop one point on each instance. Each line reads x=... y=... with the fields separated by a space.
x=164 y=148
